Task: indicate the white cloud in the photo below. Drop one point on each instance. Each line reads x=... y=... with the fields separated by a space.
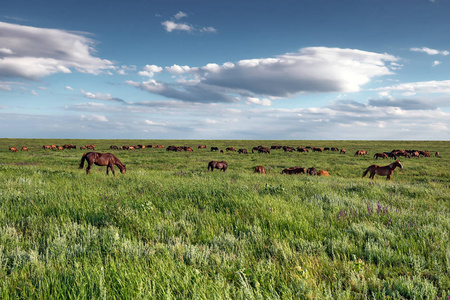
x=170 y=26
x=150 y=70
x=257 y=101
x=6 y=51
x=311 y=70
x=38 y=52
x=95 y=118
x=178 y=70
x=180 y=15
x=152 y=123
x=430 y=51
x=69 y=88
x=413 y=88
x=436 y=63
x=100 y=96
x=34 y=93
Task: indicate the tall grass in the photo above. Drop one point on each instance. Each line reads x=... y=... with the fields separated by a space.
x=170 y=229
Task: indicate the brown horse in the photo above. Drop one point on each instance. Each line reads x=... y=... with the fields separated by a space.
x=260 y=170
x=220 y=165
x=102 y=159
x=382 y=171
x=382 y=155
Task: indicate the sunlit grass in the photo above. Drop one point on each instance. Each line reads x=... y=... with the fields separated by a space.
x=169 y=228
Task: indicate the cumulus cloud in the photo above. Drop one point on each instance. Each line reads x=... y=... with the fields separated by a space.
x=311 y=70
x=32 y=53
x=150 y=70
x=430 y=51
x=69 y=88
x=170 y=26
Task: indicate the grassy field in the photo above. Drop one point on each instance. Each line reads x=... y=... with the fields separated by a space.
x=171 y=229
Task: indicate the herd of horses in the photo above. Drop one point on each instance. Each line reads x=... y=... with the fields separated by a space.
x=109 y=160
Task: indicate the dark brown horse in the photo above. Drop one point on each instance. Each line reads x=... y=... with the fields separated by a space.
x=382 y=155
x=382 y=171
x=220 y=165
x=102 y=159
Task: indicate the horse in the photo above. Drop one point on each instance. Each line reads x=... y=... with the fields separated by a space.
x=260 y=170
x=311 y=171
x=12 y=149
x=294 y=170
x=361 y=152
x=102 y=159
x=323 y=173
x=220 y=165
x=382 y=155
x=342 y=151
x=24 y=148
x=382 y=171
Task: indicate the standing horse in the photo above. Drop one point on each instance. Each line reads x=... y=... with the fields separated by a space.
x=102 y=159
x=220 y=165
x=382 y=171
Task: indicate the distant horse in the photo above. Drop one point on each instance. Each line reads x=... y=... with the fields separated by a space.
x=382 y=171
x=220 y=165
x=12 y=149
x=102 y=159
x=260 y=170
x=24 y=148
x=361 y=152
x=311 y=171
x=382 y=155
x=293 y=170
x=323 y=173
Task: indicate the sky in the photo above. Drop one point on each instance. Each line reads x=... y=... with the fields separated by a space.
x=258 y=70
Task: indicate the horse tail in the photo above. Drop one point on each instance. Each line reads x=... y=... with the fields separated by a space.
x=365 y=172
x=83 y=158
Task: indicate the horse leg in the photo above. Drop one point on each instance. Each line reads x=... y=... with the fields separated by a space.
x=112 y=169
x=372 y=175
x=88 y=169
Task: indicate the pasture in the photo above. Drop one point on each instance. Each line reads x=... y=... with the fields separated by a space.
x=169 y=228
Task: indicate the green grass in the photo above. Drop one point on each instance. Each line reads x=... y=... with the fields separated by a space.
x=170 y=229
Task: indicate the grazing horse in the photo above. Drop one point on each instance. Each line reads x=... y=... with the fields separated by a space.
x=382 y=155
x=294 y=170
x=323 y=173
x=361 y=152
x=12 y=149
x=342 y=151
x=260 y=170
x=437 y=153
x=311 y=171
x=24 y=148
x=382 y=171
x=220 y=165
x=243 y=151
x=102 y=159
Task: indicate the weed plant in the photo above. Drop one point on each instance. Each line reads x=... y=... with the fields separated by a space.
x=171 y=229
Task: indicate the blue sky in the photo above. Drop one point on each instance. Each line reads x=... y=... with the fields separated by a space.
x=321 y=69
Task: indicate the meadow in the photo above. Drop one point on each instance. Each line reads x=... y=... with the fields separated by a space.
x=171 y=229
